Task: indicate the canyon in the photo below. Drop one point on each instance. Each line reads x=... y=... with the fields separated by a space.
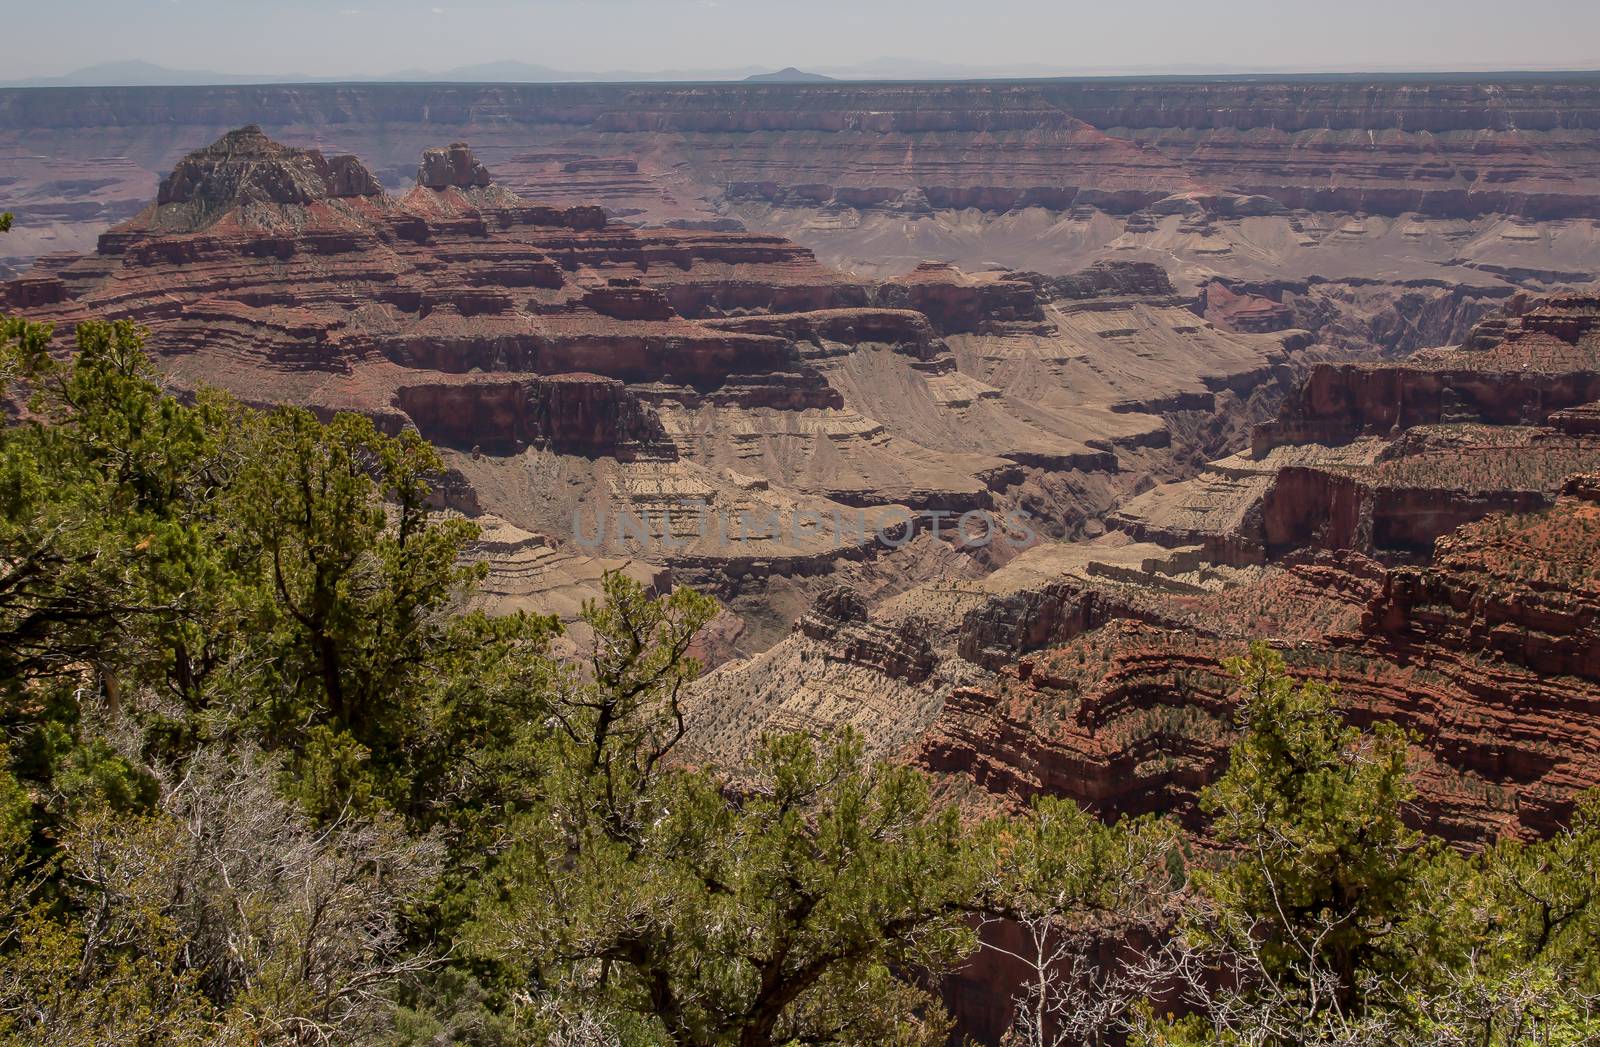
x=578 y=371
x=1465 y=181
x=1437 y=562
x=1436 y=559
x=1203 y=453
x=1313 y=361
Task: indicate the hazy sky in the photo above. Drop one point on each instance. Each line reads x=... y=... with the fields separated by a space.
x=331 y=37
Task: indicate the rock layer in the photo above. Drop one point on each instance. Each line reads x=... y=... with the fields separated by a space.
x=665 y=382
x=1485 y=178
x=1444 y=575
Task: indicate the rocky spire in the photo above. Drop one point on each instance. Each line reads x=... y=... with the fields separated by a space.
x=453 y=167
x=246 y=167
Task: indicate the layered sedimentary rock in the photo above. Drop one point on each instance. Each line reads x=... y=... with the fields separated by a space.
x=1384 y=457
x=244 y=167
x=1359 y=314
x=690 y=396
x=1538 y=360
x=1488 y=654
x=567 y=413
x=1522 y=589
x=452 y=167
x=1242 y=310
x=1444 y=575
x=960 y=303
x=1583 y=420
x=1125 y=277
x=252 y=241
x=1485 y=180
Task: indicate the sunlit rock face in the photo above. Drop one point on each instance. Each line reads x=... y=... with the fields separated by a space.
x=571 y=364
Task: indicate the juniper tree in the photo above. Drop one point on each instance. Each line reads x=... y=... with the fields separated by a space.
x=811 y=898
x=1301 y=929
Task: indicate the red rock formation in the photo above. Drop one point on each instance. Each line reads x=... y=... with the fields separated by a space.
x=1401 y=506
x=1103 y=279
x=1443 y=147
x=245 y=167
x=839 y=621
x=1578 y=421
x=453 y=167
x=957 y=302
x=625 y=298
x=1242 y=311
x=1523 y=589
x=1114 y=692
x=1289 y=180
x=905 y=330
x=1492 y=664
x=1517 y=369
x=261 y=262
x=1056 y=613
x=600 y=367
x=569 y=413
x=1490 y=655
x=1383 y=458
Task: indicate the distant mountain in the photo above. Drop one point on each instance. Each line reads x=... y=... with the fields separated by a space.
x=790 y=75
x=147 y=74
x=894 y=68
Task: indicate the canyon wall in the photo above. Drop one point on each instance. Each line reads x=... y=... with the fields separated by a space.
x=574 y=309
x=1438 y=564
x=645 y=392
x=1490 y=179
x=1440 y=147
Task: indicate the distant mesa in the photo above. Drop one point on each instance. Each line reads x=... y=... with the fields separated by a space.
x=790 y=75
